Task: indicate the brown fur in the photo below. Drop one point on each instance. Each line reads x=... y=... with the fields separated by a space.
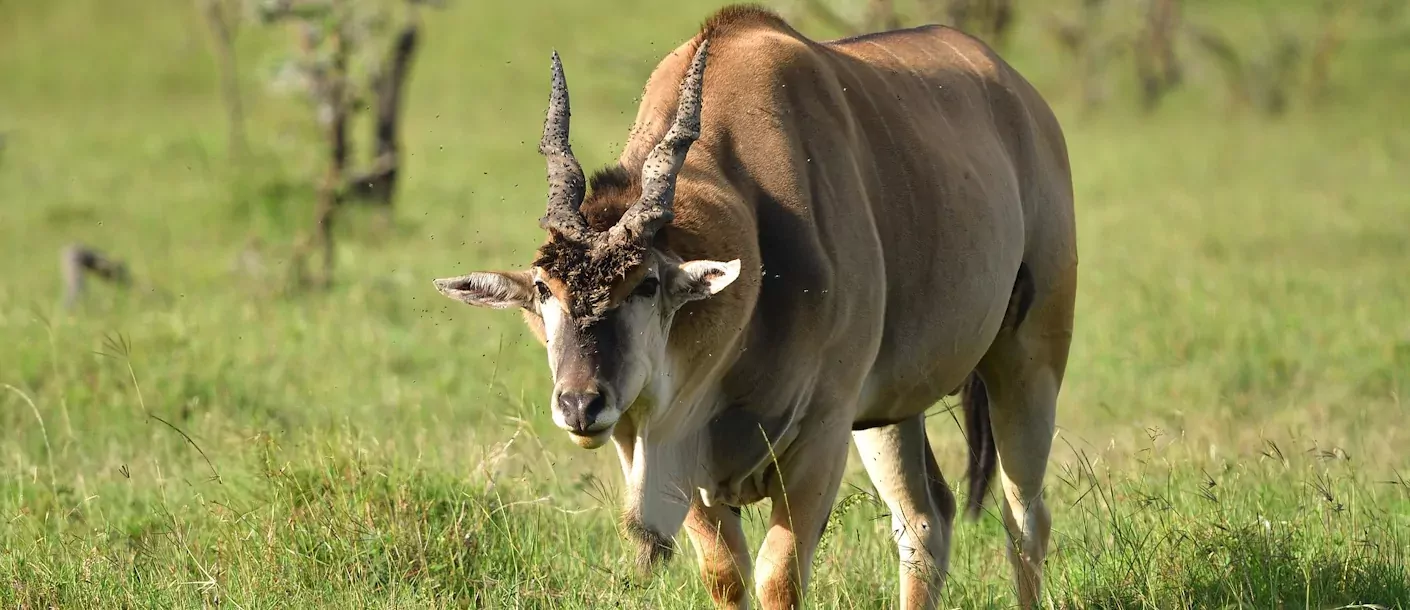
x=734 y=18
x=590 y=273
x=614 y=188
x=653 y=548
x=903 y=198
x=901 y=206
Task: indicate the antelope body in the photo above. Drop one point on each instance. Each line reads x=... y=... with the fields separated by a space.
x=809 y=243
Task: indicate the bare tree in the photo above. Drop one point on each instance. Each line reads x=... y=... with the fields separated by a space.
x=881 y=15
x=378 y=183
x=1088 y=42
x=1260 y=78
x=223 y=19
x=329 y=33
x=1157 y=66
x=990 y=20
x=1335 y=14
x=334 y=106
x=820 y=10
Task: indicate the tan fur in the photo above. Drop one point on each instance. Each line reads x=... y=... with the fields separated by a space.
x=899 y=180
x=881 y=193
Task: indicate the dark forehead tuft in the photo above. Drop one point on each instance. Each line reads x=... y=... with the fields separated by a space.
x=589 y=272
x=591 y=269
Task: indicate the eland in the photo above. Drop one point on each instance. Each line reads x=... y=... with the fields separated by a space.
x=806 y=244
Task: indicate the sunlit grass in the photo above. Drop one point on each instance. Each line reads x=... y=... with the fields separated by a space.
x=1232 y=423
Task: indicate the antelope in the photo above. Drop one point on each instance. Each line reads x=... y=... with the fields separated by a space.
x=808 y=243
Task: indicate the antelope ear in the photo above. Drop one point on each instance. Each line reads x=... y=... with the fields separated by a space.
x=701 y=279
x=495 y=289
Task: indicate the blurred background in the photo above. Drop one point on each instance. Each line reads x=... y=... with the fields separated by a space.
x=219 y=220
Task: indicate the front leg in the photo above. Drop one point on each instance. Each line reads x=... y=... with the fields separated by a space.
x=802 y=498
x=718 y=537
x=659 y=475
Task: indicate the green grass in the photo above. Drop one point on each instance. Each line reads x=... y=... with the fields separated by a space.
x=1233 y=426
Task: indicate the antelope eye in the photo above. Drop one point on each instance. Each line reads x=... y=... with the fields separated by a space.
x=647 y=288
x=542 y=290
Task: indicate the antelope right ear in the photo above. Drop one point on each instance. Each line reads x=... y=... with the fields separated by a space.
x=701 y=279
x=495 y=289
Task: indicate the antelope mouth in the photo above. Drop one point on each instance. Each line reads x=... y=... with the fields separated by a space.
x=592 y=440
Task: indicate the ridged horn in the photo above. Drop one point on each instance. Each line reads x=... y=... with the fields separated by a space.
x=658 y=173
x=566 y=184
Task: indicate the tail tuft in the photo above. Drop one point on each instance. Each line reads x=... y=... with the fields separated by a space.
x=982 y=456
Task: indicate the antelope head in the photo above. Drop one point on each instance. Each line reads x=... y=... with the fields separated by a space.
x=601 y=296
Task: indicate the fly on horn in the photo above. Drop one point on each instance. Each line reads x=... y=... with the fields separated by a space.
x=566 y=185
x=658 y=174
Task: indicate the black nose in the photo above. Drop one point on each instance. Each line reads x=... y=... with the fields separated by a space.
x=580 y=410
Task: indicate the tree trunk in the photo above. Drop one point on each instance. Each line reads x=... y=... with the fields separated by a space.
x=330 y=191
x=223 y=35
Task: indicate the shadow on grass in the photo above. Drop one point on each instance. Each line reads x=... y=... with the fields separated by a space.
x=1256 y=534
x=1247 y=568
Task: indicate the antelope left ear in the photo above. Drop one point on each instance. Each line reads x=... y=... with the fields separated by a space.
x=701 y=279
x=499 y=290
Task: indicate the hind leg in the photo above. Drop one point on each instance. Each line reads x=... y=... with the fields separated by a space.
x=1022 y=374
x=899 y=461
x=1022 y=413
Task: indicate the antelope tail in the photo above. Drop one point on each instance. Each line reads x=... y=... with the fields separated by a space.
x=982 y=456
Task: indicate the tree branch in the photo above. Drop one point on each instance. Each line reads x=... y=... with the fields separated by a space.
x=378 y=183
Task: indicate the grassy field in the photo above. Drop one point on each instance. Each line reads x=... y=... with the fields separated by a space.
x=1233 y=427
